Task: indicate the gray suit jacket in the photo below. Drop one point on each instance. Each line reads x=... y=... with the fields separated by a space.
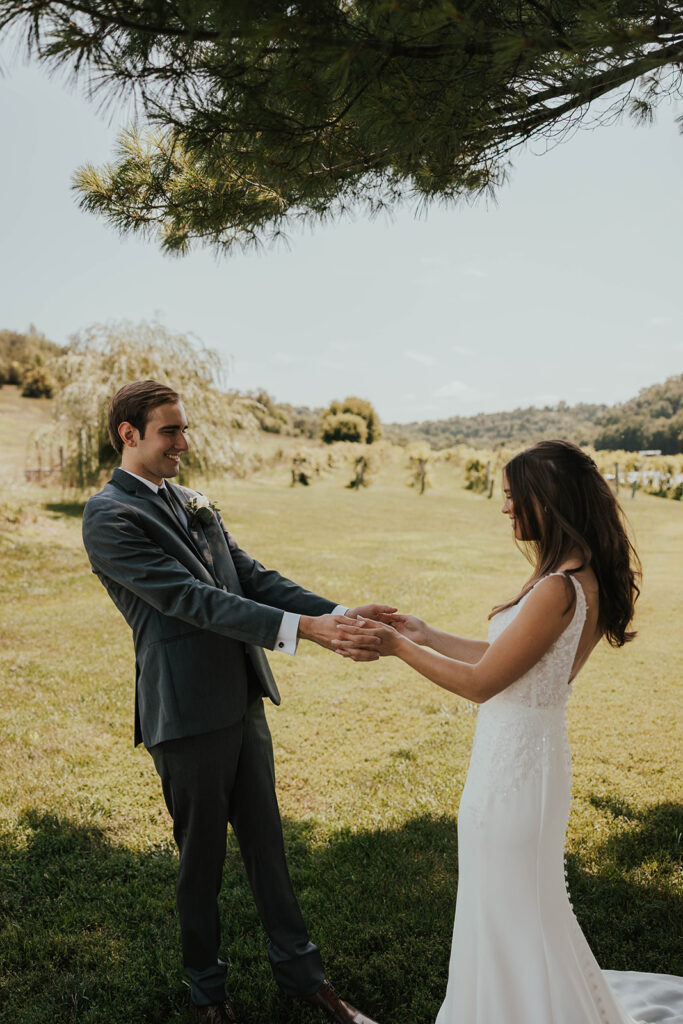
x=197 y=604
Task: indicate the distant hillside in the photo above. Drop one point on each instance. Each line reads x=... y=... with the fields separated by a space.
x=654 y=419
x=518 y=427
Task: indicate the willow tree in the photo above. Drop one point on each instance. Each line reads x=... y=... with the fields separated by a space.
x=255 y=114
x=103 y=357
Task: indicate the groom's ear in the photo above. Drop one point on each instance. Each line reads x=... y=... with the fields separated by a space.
x=128 y=434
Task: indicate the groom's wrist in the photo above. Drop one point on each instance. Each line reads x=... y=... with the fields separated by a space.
x=306 y=630
x=303 y=629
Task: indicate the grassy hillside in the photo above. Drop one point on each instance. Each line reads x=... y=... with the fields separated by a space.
x=19 y=419
x=371 y=762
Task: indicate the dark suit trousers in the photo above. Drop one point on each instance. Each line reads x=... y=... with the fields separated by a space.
x=209 y=780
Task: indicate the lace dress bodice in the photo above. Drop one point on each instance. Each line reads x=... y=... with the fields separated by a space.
x=545 y=685
x=523 y=728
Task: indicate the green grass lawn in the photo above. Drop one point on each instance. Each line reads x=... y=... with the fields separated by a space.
x=371 y=762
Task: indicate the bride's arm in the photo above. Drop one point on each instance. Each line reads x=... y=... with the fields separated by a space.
x=459 y=648
x=536 y=627
x=422 y=633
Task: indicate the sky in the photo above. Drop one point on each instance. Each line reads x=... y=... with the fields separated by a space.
x=568 y=288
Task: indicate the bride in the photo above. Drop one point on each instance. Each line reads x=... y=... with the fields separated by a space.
x=518 y=954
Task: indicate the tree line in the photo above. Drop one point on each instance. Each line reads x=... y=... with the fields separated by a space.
x=651 y=420
x=84 y=374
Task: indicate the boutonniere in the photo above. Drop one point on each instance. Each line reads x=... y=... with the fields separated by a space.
x=200 y=509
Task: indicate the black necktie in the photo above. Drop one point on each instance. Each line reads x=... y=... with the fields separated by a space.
x=165 y=495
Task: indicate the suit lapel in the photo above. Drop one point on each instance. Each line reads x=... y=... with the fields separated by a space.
x=194 y=529
x=211 y=544
x=134 y=486
x=172 y=518
x=224 y=565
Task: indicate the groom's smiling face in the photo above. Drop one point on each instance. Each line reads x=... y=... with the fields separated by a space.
x=157 y=454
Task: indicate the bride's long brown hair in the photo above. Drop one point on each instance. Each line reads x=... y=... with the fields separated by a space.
x=563 y=504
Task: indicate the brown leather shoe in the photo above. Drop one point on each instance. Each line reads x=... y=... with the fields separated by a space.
x=216 y=1013
x=329 y=1000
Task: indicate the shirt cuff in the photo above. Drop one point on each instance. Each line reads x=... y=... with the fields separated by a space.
x=287 y=640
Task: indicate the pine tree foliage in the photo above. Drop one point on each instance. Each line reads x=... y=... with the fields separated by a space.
x=256 y=114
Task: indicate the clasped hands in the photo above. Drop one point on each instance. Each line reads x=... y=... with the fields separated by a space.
x=365 y=633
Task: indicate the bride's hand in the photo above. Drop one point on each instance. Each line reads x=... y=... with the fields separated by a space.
x=367 y=635
x=409 y=626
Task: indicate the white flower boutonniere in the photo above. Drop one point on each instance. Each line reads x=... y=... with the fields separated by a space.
x=200 y=509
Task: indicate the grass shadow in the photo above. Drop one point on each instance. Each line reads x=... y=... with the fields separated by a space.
x=88 y=928
x=631 y=920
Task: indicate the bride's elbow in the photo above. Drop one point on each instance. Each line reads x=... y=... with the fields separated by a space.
x=473 y=687
x=482 y=689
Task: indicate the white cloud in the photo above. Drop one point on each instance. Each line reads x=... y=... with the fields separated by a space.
x=421 y=357
x=463 y=350
x=454 y=389
x=661 y=321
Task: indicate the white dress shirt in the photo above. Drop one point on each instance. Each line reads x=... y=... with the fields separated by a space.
x=286 y=640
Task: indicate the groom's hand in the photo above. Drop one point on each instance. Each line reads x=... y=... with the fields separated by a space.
x=324 y=630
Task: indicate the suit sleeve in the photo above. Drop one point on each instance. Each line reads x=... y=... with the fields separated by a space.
x=269 y=586
x=120 y=550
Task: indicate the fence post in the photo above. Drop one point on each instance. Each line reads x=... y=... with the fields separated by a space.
x=616 y=477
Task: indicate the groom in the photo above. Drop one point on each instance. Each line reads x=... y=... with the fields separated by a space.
x=201 y=611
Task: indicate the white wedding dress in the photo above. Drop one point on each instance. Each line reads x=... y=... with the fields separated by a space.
x=518 y=954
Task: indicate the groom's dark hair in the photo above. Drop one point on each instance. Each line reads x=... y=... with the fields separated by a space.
x=133 y=403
